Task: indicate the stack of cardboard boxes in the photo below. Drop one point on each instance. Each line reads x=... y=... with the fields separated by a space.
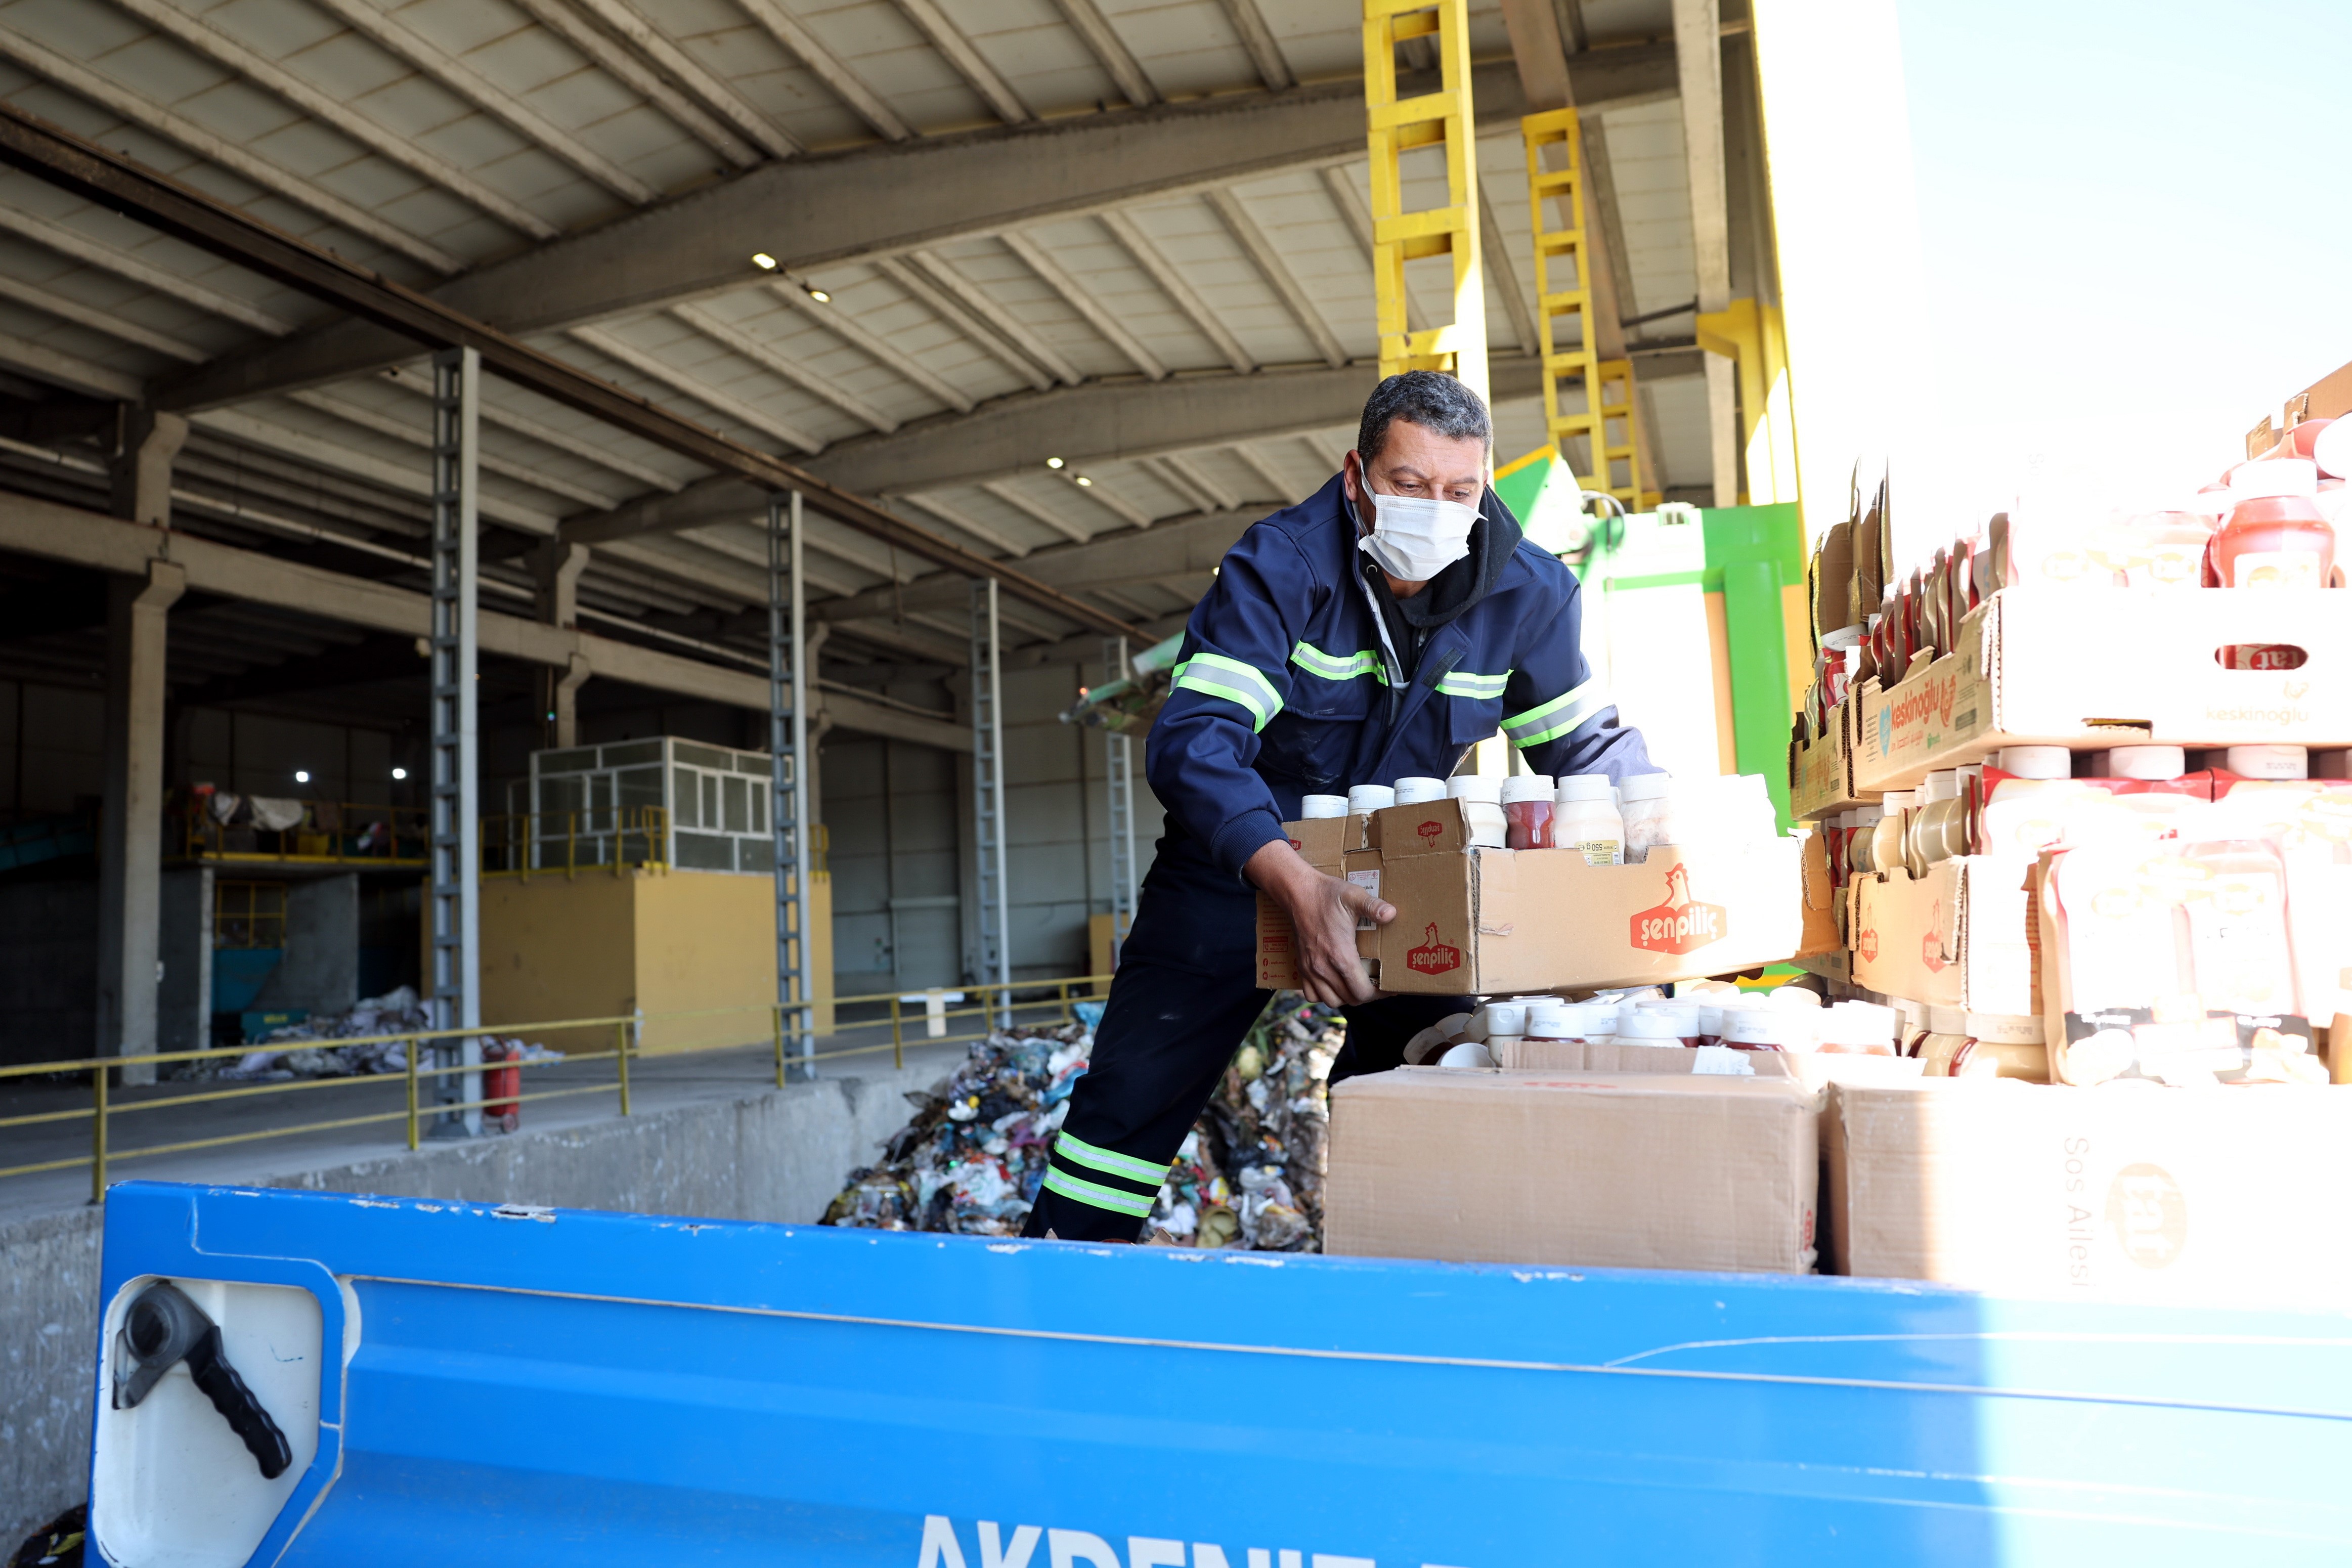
x=1986 y=1156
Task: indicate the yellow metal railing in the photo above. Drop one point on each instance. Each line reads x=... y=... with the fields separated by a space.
x=330 y=830
x=612 y=838
x=1053 y=997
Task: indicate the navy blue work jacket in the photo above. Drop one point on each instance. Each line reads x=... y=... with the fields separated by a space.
x=1286 y=686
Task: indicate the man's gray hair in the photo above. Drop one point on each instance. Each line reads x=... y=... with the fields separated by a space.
x=1429 y=398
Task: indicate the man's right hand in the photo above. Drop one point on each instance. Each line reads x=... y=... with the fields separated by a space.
x=1323 y=910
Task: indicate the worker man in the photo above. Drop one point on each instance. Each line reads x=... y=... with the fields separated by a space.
x=1375 y=631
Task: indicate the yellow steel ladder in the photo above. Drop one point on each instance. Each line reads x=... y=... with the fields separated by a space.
x=1397 y=126
x=1564 y=300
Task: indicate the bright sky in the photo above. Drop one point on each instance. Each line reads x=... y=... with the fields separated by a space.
x=2137 y=241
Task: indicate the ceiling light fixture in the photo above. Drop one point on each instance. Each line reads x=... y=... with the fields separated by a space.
x=818 y=294
x=1052 y=462
x=1086 y=482
x=301 y=776
x=400 y=772
x=763 y=261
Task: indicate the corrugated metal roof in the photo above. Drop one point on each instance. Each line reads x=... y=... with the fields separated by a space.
x=465 y=129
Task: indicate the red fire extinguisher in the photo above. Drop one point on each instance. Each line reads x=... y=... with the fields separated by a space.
x=502 y=1086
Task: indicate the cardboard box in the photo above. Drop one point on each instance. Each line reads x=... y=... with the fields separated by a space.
x=2092 y=667
x=1821 y=772
x=1960 y=936
x=1331 y=844
x=1646 y=1171
x=1818 y=934
x=1495 y=921
x=2177 y=1196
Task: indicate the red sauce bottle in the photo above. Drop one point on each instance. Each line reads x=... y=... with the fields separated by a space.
x=2274 y=536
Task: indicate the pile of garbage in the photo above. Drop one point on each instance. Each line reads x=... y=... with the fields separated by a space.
x=1249 y=1174
x=302 y=1050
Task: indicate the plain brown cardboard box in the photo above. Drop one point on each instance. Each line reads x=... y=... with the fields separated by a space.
x=1495 y=921
x=2220 y=1195
x=1647 y=1170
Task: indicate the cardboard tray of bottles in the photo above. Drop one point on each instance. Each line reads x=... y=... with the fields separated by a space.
x=2091 y=668
x=1474 y=921
x=1821 y=772
x=1960 y=936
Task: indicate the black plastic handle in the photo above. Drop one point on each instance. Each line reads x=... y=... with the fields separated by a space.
x=237 y=1404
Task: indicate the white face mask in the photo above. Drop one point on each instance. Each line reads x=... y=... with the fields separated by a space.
x=1416 y=537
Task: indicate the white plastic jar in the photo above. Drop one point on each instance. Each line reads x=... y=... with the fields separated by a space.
x=1317 y=807
x=1481 y=800
x=1648 y=1026
x=1366 y=798
x=1419 y=791
x=1585 y=817
x=1649 y=814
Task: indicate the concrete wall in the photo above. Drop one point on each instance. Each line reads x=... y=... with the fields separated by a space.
x=48 y=968
x=776 y=1155
x=321 y=972
x=184 y=1001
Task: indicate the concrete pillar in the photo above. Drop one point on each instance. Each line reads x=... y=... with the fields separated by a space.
x=140 y=470
x=555 y=567
x=130 y=842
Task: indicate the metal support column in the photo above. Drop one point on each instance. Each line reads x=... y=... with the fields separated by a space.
x=1119 y=775
x=788 y=686
x=455 y=780
x=988 y=795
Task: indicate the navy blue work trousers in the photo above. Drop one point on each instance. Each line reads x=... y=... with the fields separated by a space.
x=1185 y=995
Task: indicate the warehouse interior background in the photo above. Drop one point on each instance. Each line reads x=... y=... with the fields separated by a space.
x=1081 y=286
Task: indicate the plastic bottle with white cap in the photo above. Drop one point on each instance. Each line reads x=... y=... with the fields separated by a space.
x=1647 y=1026
x=2268 y=762
x=1759 y=1028
x=1528 y=810
x=1939 y=828
x=1585 y=817
x=2275 y=536
x=1481 y=798
x=1317 y=807
x=1559 y=1022
x=2025 y=813
x=1499 y=1025
x=1649 y=814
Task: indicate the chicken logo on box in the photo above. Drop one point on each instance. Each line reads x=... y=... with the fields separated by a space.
x=1432 y=956
x=1681 y=924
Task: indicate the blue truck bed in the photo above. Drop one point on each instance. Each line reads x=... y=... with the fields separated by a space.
x=529 y=1386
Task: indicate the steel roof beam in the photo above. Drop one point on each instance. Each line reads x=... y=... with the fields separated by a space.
x=1100 y=422
x=34 y=145
x=885 y=200
x=268 y=75
x=828 y=67
x=689 y=74
x=960 y=52
x=627 y=68
x=83 y=82
x=455 y=76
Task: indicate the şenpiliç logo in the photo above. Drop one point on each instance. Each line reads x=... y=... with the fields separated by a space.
x=1682 y=924
x=1429 y=832
x=1432 y=956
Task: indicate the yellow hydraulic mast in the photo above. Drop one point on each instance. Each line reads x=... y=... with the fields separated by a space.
x=1564 y=300
x=1397 y=126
